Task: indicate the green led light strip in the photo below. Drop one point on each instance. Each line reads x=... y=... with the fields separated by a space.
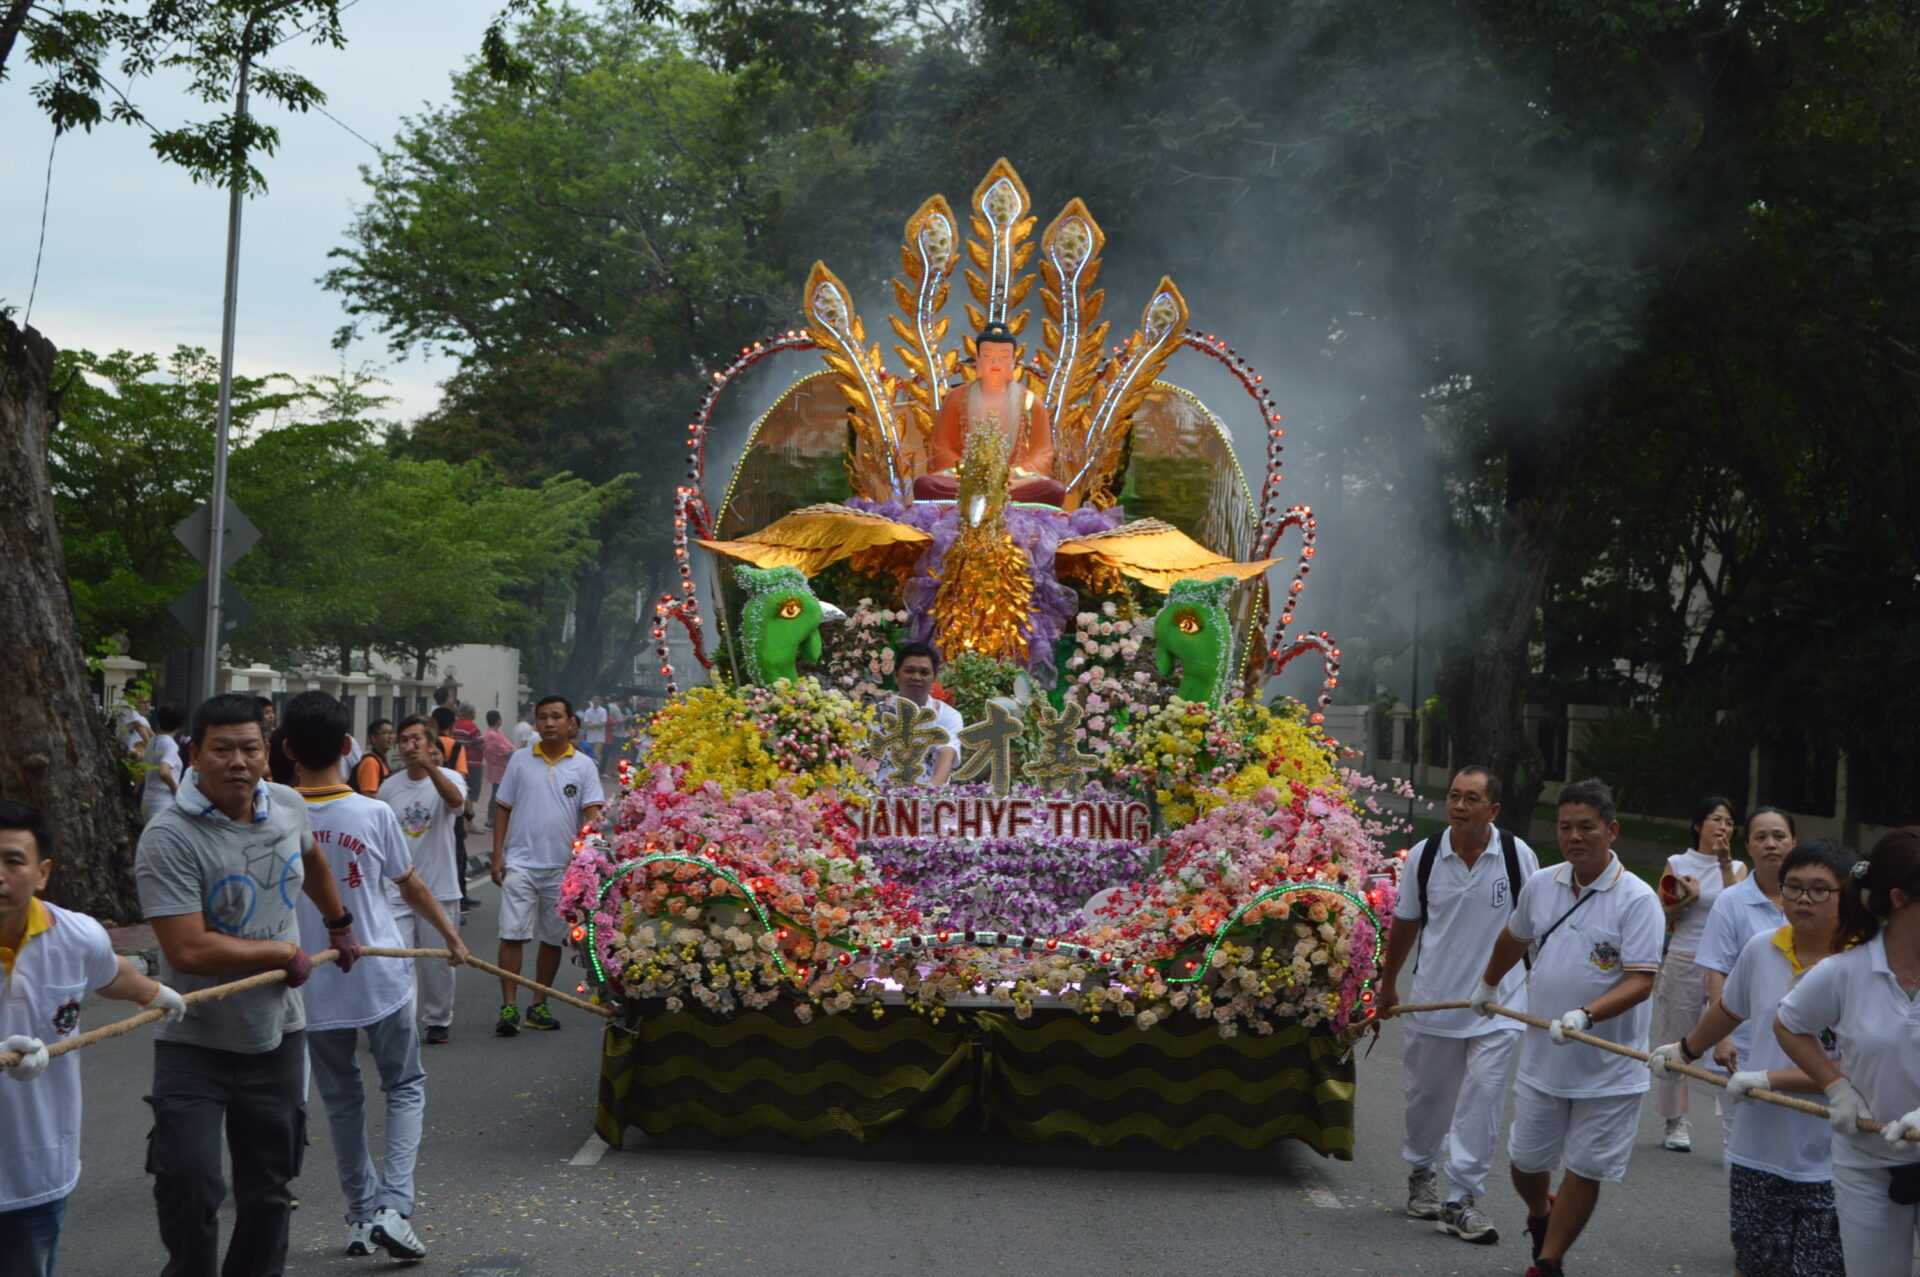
x=1285 y=889
x=893 y=945
x=700 y=862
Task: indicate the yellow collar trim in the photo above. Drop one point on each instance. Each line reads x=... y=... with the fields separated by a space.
x=1783 y=941
x=38 y=920
x=540 y=752
x=324 y=793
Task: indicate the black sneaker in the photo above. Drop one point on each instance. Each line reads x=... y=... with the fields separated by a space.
x=539 y=1017
x=509 y=1023
x=436 y=1035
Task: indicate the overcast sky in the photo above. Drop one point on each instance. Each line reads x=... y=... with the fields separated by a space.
x=135 y=251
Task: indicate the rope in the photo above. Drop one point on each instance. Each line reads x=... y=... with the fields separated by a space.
x=1708 y=1076
x=119 y=1028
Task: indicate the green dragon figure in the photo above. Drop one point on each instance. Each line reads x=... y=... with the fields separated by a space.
x=779 y=623
x=1192 y=628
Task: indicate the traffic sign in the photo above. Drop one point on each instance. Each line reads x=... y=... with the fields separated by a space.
x=239 y=534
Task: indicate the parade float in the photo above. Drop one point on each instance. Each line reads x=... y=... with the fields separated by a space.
x=1147 y=904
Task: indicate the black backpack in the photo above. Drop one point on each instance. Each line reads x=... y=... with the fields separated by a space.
x=1508 y=852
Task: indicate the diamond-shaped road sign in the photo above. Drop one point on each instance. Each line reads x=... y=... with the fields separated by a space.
x=239 y=535
x=190 y=609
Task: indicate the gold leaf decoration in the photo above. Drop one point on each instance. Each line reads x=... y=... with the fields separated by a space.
x=928 y=255
x=1000 y=249
x=1074 y=335
x=880 y=467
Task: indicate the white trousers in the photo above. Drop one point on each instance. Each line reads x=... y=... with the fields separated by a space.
x=1876 y=1236
x=1456 y=1095
x=435 y=975
x=1679 y=996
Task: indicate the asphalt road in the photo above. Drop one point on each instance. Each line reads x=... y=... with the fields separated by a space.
x=511 y=1183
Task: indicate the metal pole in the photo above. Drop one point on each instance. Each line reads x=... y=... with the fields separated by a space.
x=217 y=508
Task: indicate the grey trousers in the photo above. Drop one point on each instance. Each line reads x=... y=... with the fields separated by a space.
x=395 y=1044
x=434 y=991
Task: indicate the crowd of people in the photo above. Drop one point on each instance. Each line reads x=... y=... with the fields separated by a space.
x=269 y=837
x=1800 y=972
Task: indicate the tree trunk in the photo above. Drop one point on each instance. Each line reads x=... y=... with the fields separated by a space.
x=57 y=752
x=1484 y=684
x=578 y=677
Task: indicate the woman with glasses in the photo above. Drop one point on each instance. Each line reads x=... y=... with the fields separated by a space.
x=1780 y=1169
x=1693 y=881
x=1867 y=1001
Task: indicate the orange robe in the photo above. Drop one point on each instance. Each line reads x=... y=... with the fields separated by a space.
x=1031 y=459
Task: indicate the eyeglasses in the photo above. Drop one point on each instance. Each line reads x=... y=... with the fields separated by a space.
x=1813 y=893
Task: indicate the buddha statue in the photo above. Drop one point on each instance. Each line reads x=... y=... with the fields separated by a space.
x=998 y=401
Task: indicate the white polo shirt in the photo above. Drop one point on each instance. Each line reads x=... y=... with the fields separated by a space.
x=1619 y=929
x=361 y=839
x=52 y=974
x=1466 y=910
x=1876 y=1027
x=1766 y=1137
x=548 y=799
x=1741 y=913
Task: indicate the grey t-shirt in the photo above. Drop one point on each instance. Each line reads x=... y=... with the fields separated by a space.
x=245 y=878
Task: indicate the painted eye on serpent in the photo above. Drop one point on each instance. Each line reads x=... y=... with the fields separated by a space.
x=1187 y=623
x=789 y=609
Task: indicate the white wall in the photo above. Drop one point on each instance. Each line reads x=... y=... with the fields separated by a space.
x=489 y=676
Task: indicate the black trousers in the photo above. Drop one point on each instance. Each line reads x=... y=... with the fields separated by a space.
x=258 y=1103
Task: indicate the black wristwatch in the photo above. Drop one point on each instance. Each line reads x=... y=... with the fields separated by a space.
x=341 y=923
x=1687 y=1053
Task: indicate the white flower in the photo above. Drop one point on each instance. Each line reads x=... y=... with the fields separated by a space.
x=1085 y=618
x=1107 y=608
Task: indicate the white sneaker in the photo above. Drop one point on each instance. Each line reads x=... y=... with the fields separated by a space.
x=1679 y=1135
x=392 y=1233
x=1423 y=1194
x=1466 y=1221
x=359 y=1240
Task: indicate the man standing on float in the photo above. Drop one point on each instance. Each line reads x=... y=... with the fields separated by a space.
x=996 y=399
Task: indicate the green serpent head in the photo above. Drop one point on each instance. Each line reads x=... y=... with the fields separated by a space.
x=779 y=622
x=1192 y=628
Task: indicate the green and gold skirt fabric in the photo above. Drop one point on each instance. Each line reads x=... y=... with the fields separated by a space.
x=1054 y=1076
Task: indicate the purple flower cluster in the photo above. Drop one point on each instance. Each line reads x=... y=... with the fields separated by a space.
x=1038 y=532
x=1007 y=884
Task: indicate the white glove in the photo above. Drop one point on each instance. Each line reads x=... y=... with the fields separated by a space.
x=170 y=1002
x=1483 y=994
x=1744 y=1081
x=1664 y=1057
x=1845 y=1107
x=1895 y=1132
x=1574 y=1021
x=33 y=1057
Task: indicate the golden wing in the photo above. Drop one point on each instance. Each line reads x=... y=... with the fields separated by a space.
x=928 y=257
x=1118 y=391
x=1153 y=553
x=816 y=536
x=880 y=467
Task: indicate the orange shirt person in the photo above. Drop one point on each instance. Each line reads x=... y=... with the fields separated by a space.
x=995 y=397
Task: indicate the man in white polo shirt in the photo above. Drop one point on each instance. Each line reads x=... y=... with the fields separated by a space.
x=1596 y=933
x=50 y=959
x=1458 y=891
x=548 y=793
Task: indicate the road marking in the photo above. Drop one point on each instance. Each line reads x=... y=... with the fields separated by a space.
x=596 y=1148
x=1318 y=1196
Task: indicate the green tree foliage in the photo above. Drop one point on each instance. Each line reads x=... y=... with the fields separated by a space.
x=359 y=551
